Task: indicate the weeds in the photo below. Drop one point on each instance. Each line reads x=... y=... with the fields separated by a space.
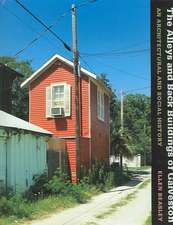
x=148 y=221
x=48 y=195
x=144 y=184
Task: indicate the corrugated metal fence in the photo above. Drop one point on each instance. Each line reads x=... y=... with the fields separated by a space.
x=22 y=155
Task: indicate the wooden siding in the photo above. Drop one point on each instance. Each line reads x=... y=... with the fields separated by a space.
x=61 y=127
x=94 y=140
x=99 y=129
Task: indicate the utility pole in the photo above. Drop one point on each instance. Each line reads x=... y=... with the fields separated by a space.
x=145 y=154
x=122 y=110
x=76 y=75
x=122 y=127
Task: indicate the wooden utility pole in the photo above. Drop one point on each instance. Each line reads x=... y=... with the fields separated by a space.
x=122 y=127
x=122 y=111
x=76 y=75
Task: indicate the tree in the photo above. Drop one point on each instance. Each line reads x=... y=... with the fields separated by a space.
x=121 y=146
x=119 y=141
x=20 y=99
x=137 y=130
x=137 y=122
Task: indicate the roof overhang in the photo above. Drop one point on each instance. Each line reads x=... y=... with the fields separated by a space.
x=53 y=60
x=49 y=63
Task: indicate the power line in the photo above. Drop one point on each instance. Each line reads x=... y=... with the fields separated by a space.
x=138 y=89
x=59 y=18
x=40 y=34
x=132 y=90
x=121 y=71
x=84 y=3
x=86 y=63
x=115 y=53
x=31 y=28
x=131 y=74
x=44 y=25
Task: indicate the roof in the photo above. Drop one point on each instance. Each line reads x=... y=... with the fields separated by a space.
x=10 y=121
x=5 y=69
x=50 y=62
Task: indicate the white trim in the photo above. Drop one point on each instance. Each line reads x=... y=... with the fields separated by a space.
x=49 y=63
x=67 y=137
x=58 y=84
x=102 y=106
x=99 y=84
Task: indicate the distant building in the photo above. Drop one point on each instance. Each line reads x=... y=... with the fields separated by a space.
x=7 y=76
x=134 y=161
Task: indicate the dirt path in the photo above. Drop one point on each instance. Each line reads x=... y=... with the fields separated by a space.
x=133 y=213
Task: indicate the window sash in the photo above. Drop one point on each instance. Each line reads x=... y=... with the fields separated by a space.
x=58 y=93
x=100 y=105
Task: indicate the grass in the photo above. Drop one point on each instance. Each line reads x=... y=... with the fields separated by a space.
x=123 y=202
x=43 y=207
x=40 y=208
x=144 y=184
x=47 y=196
x=139 y=168
x=148 y=221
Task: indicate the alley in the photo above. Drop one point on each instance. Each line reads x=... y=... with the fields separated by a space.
x=103 y=209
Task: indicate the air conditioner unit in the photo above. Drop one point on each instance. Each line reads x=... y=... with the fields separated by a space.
x=57 y=111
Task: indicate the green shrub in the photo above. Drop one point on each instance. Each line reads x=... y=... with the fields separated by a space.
x=79 y=193
x=99 y=173
x=16 y=206
x=59 y=184
x=38 y=189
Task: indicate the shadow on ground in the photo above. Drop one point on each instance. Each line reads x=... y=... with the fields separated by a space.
x=137 y=177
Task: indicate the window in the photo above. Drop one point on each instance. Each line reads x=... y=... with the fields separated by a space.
x=58 y=100
x=100 y=105
x=58 y=96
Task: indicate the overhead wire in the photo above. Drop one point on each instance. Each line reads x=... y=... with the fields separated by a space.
x=29 y=27
x=116 y=53
x=44 y=25
x=120 y=70
x=34 y=40
x=137 y=89
x=48 y=28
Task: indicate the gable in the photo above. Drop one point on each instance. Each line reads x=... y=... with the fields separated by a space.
x=49 y=63
x=63 y=61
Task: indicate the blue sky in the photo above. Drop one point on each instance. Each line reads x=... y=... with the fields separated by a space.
x=103 y=26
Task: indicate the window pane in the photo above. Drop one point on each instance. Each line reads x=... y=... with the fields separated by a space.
x=58 y=92
x=100 y=105
x=58 y=96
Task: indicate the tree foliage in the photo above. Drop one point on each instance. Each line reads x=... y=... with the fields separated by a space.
x=20 y=99
x=137 y=118
x=137 y=129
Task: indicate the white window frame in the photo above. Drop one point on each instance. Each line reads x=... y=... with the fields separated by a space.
x=56 y=85
x=100 y=105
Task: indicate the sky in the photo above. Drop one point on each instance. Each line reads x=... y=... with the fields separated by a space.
x=113 y=37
